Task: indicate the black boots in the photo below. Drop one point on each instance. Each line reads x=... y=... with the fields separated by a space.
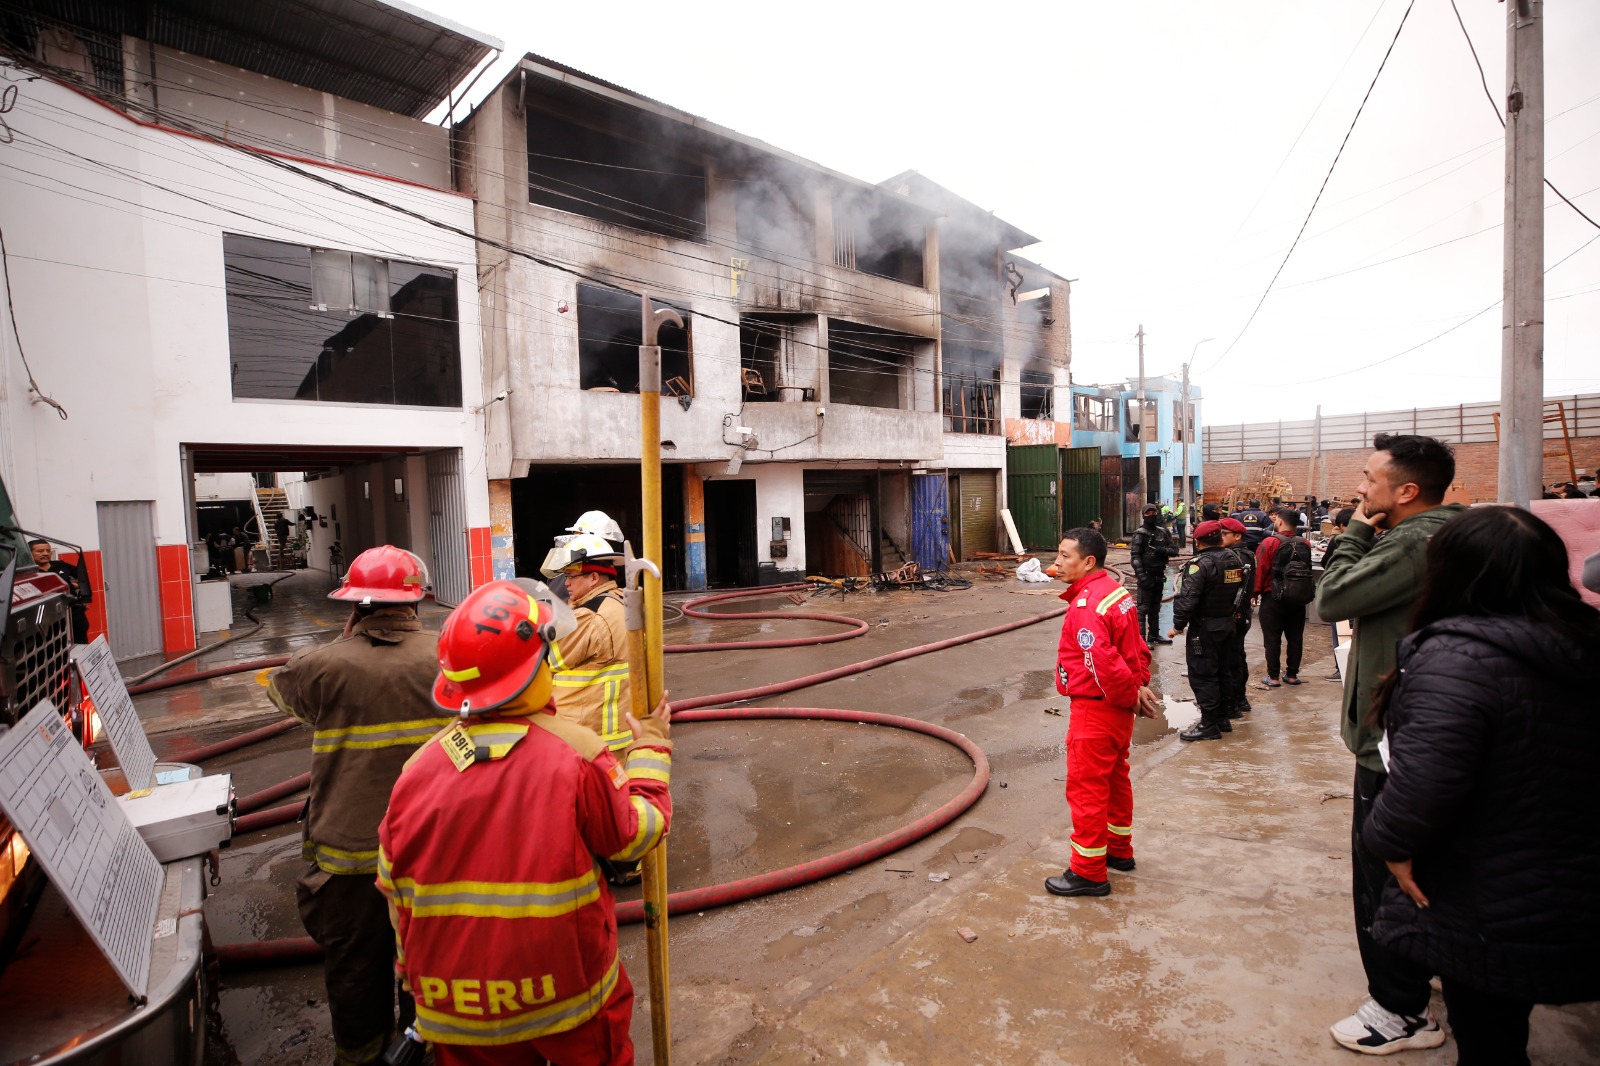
x=1070 y=884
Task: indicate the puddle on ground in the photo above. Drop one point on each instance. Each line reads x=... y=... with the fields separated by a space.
x=863 y=912
x=983 y=699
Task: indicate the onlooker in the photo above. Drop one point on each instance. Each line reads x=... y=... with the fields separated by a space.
x=220 y=547
x=1374 y=580
x=1283 y=588
x=77 y=585
x=1490 y=821
x=1341 y=522
x=1103 y=668
x=241 y=550
x=1180 y=520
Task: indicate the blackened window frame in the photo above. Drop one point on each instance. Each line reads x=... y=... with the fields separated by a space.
x=409 y=356
x=609 y=334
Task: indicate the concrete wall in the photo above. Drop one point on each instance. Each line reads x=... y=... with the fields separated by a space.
x=241 y=105
x=780 y=493
x=119 y=298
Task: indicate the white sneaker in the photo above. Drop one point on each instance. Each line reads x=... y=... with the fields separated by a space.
x=1372 y=1030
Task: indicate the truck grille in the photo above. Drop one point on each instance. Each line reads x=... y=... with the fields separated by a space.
x=35 y=658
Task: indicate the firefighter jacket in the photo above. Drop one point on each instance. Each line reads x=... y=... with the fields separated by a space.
x=1212 y=583
x=591 y=668
x=1102 y=655
x=369 y=698
x=1150 y=549
x=506 y=930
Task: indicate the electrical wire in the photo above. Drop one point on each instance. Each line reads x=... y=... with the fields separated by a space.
x=1321 y=189
x=38 y=395
x=1494 y=105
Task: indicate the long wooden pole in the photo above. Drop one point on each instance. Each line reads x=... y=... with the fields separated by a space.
x=648 y=684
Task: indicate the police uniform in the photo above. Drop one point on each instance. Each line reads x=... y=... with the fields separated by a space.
x=368 y=698
x=507 y=931
x=1238 y=700
x=1257 y=525
x=591 y=668
x=1204 y=611
x=1101 y=663
x=1150 y=549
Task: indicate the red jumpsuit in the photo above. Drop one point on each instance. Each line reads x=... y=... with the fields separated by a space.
x=507 y=932
x=1101 y=664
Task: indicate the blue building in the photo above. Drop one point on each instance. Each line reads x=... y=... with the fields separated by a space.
x=1108 y=417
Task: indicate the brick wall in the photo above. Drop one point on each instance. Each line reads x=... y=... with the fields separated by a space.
x=1340 y=471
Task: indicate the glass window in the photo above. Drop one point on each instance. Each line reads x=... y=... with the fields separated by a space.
x=323 y=325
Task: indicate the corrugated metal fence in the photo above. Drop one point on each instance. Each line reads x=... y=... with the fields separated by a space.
x=1463 y=424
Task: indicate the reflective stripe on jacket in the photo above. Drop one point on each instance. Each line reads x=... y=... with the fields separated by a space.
x=506 y=930
x=369 y=699
x=591 y=668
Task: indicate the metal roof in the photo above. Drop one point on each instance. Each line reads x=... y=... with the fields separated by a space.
x=385 y=53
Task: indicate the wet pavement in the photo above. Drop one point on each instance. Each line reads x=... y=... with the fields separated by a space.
x=1230 y=944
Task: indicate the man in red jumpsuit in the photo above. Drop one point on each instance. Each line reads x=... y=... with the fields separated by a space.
x=1103 y=666
x=507 y=931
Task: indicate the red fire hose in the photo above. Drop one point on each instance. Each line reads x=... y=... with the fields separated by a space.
x=269 y=817
x=222 y=747
x=257 y=800
x=691 y=609
x=201 y=675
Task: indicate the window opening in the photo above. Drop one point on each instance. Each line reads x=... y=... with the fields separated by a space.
x=608 y=344
x=1038 y=394
x=1150 y=418
x=868 y=366
x=1096 y=414
x=322 y=325
x=626 y=177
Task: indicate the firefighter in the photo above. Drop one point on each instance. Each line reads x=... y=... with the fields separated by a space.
x=1233 y=539
x=1151 y=547
x=1205 y=607
x=1103 y=667
x=507 y=932
x=368 y=696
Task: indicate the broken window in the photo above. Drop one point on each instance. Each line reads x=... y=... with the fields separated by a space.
x=768 y=362
x=1038 y=394
x=609 y=336
x=330 y=326
x=1150 y=424
x=970 y=348
x=868 y=366
x=627 y=178
x=774 y=218
x=876 y=235
x=1183 y=422
x=1095 y=414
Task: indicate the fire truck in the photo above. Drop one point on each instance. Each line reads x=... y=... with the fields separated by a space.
x=60 y=1000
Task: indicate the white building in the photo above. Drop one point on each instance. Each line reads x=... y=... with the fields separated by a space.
x=245 y=256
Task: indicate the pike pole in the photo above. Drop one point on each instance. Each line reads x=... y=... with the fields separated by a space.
x=645 y=664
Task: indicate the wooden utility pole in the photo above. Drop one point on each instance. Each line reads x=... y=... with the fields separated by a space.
x=1144 y=492
x=1521 y=461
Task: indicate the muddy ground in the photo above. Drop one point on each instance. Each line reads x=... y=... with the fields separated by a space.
x=1231 y=943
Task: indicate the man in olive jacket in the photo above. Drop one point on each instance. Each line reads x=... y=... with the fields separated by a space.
x=1373 y=580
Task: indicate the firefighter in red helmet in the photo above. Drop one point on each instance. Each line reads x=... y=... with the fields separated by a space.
x=368 y=696
x=511 y=951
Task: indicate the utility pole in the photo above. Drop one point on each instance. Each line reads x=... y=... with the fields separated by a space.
x=1144 y=491
x=1521 y=463
x=1191 y=429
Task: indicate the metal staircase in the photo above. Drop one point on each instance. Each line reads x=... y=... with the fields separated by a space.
x=268 y=503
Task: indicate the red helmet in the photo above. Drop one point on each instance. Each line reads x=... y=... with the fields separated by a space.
x=385 y=574
x=493 y=646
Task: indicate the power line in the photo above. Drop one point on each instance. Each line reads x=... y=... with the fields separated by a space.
x=11 y=313
x=1494 y=105
x=1323 y=188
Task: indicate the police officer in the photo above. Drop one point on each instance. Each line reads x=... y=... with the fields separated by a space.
x=1233 y=541
x=1257 y=526
x=1205 y=608
x=369 y=697
x=1151 y=547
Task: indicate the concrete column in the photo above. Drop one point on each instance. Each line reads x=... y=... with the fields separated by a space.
x=694 y=525
x=502 y=540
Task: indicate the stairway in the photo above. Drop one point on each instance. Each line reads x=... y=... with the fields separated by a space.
x=268 y=503
x=892 y=554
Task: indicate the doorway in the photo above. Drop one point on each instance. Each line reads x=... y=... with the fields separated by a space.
x=730 y=534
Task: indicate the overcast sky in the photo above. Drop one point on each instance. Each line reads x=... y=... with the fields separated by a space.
x=1165 y=153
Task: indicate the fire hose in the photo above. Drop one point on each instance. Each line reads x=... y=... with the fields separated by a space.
x=302 y=950
x=691 y=609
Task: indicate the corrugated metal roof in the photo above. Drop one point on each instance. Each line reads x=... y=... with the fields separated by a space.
x=380 y=52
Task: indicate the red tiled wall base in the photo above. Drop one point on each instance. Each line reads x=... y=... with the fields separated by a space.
x=480 y=555
x=177 y=604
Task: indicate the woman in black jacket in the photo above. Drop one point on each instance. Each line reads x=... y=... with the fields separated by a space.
x=1490 y=819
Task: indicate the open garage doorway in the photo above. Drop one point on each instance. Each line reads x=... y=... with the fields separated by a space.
x=550 y=499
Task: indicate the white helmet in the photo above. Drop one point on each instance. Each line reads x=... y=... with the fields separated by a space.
x=577 y=549
x=600 y=524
